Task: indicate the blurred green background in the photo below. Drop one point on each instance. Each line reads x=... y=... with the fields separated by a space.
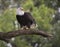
x=42 y=11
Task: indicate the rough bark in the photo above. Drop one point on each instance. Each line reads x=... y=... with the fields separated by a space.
x=8 y=35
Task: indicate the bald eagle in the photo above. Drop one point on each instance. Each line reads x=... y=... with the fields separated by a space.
x=25 y=19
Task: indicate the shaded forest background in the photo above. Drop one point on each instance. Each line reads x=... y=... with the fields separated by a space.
x=42 y=11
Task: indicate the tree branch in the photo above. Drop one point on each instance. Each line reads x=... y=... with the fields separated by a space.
x=8 y=35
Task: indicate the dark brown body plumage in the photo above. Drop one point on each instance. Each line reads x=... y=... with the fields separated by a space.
x=25 y=20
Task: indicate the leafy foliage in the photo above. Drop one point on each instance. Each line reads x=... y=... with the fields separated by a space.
x=7 y=19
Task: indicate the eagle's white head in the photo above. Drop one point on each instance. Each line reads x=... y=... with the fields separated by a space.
x=20 y=11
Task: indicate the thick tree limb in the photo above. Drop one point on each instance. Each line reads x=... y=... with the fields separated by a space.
x=9 y=35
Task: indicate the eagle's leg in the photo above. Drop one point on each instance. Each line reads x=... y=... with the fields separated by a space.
x=33 y=26
x=24 y=27
x=21 y=28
